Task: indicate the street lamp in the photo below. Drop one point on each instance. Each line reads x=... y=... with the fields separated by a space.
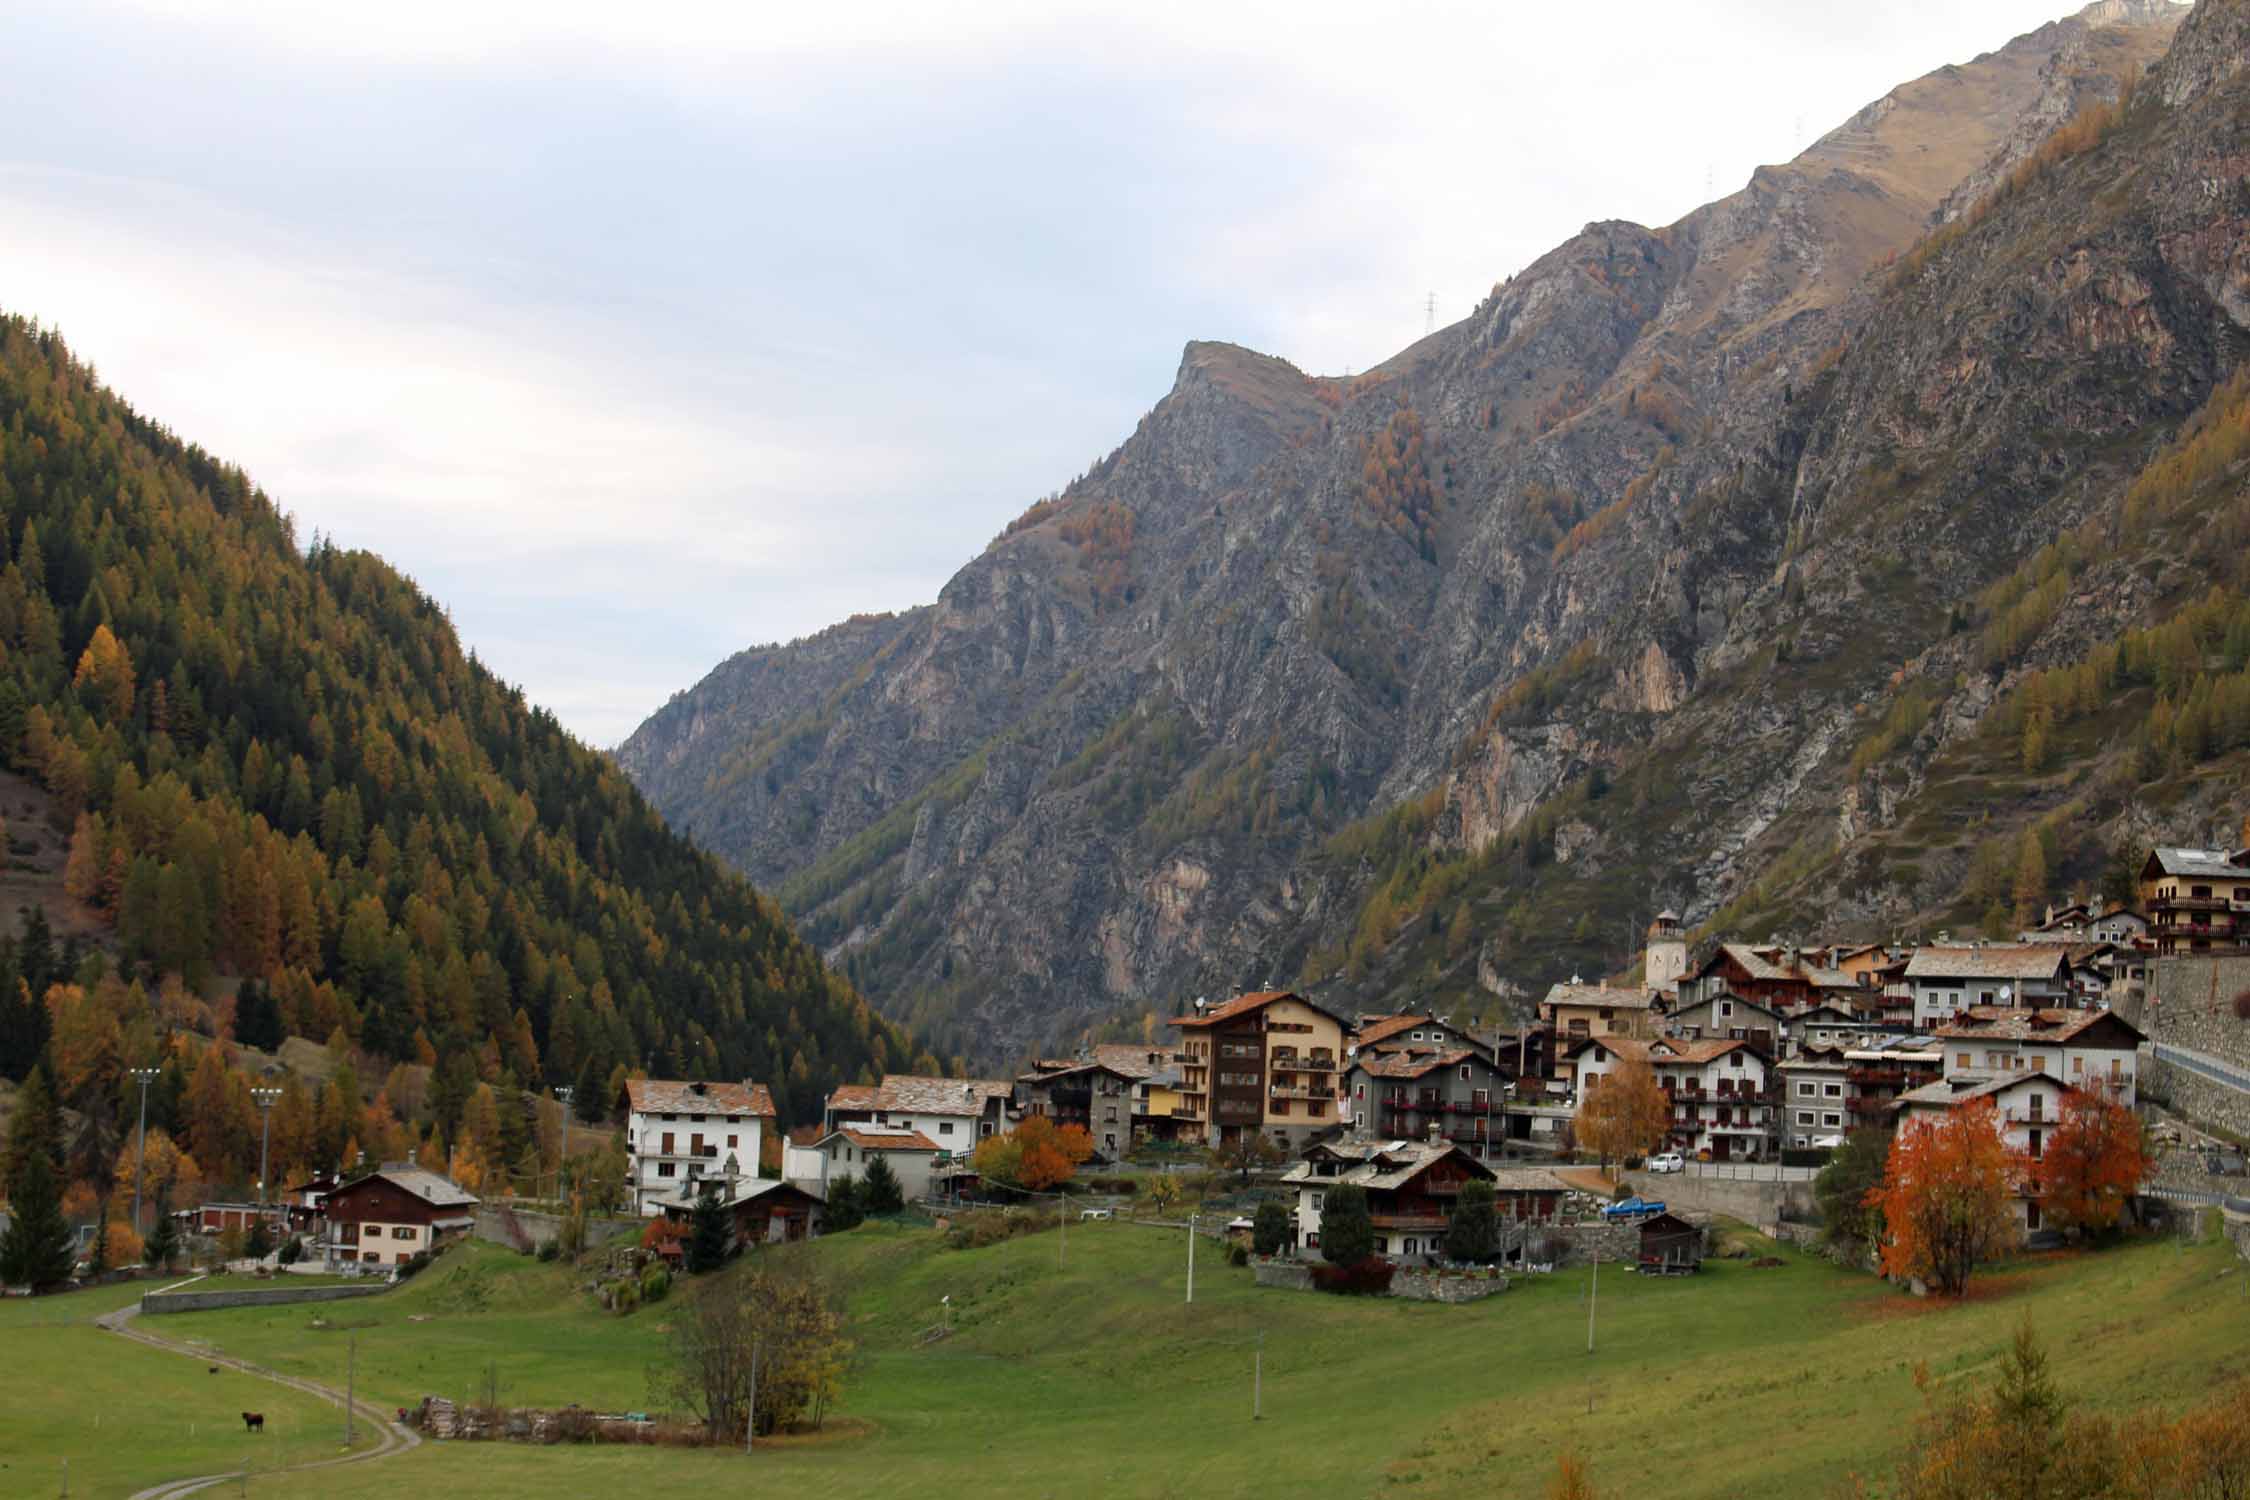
x=265 y=1099
x=145 y=1077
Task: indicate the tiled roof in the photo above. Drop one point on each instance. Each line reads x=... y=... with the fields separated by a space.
x=853 y=1096
x=2017 y=1024
x=870 y=1138
x=734 y=1191
x=438 y=1192
x=1598 y=994
x=1755 y=963
x=1527 y=1180
x=2208 y=864
x=672 y=1096
x=805 y=1135
x=1242 y=1005
x=1994 y=961
x=1382 y=1027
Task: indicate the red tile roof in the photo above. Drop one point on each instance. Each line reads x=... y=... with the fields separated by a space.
x=1242 y=1005
x=871 y=1138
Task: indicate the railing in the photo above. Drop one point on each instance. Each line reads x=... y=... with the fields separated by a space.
x=2188 y=903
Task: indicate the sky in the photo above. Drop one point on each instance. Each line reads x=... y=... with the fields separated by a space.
x=639 y=334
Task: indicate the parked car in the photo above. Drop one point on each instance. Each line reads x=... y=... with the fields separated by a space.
x=1827 y=1143
x=1669 y=1161
x=1634 y=1208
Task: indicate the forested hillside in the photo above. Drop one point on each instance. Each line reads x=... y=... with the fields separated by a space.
x=1684 y=571
x=279 y=764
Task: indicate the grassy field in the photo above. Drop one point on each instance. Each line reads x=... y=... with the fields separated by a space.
x=1739 y=1382
x=125 y=1415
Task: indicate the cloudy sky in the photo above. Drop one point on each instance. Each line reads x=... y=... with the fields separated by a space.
x=641 y=333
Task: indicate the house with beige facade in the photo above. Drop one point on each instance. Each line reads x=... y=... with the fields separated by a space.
x=1267 y=1063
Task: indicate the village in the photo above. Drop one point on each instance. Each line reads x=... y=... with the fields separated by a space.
x=1764 y=1060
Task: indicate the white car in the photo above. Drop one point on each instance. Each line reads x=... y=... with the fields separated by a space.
x=1827 y=1143
x=1670 y=1161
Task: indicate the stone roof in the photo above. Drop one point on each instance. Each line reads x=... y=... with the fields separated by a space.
x=1130 y=1060
x=1412 y=1064
x=908 y=1093
x=734 y=1192
x=1575 y=993
x=2008 y=1023
x=1989 y=961
x=2205 y=864
x=1675 y=1049
x=438 y=1192
x=673 y=1096
x=1948 y=1092
x=1379 y=1164
x=1527 y=1180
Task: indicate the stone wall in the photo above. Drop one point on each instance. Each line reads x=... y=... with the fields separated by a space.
x=1289 y=1275
x=530 y=1230
x=180 y=1302
x=1570 y=1244
x=1417 y=1285
x=2190 y=1005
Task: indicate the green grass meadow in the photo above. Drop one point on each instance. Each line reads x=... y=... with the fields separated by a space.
x=1097 y=1377
x=125 y=1415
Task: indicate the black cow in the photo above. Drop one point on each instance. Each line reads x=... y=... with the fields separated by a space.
x=254 y=1421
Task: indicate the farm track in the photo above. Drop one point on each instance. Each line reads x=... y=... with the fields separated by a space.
x=395 y=1438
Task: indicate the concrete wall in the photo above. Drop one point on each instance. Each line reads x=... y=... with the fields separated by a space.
x=179 y=1302
x=492 y=1225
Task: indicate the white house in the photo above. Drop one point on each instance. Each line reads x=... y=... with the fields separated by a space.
x=848 y=1150
x=1720 y=1101
x=955 y=1113
x=2086 y=1049
x=2026 y=1109
x=1951 y=978
x=677 y=1132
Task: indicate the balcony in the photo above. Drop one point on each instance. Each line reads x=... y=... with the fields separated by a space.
x=1299 y=1091
x=2187 y=903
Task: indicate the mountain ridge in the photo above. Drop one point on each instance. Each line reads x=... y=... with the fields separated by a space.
x=1131 y=750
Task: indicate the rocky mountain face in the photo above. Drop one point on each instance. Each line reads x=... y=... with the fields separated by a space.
x=1664 y=578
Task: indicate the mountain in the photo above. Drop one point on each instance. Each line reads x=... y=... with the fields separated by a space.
x=1703 y=566
x=278 y=765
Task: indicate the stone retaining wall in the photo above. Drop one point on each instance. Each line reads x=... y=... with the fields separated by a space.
x=1418 y=1285
x=2190 y=1004
x=180 y=1302
x=1289 y=1275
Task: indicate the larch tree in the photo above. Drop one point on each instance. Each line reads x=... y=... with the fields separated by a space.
x=1624 y=1112
x=1945 y=1197
x=2093 y=1163
x=105 y=674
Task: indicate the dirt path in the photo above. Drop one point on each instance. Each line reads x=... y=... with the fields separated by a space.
x=395 y=1438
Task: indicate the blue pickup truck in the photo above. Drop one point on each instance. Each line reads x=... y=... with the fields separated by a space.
x=1634 y=1208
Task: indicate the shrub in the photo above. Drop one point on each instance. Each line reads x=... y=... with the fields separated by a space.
x=624 y=1297
x=1368 y=1278
x=550 y=1251
x=655 y=1282
x=982 y=1227
x=1238 y=1255
x=1269 y=1231
x=293 y=1251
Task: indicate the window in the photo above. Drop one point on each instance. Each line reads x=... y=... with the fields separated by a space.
x=1464 y=1072
x=1804 y=1117
x=1963 y=1060
x=1318 y=1200
x=402 y=1231
x=1726 y=1008
x=1804 y=1090
x=667 y=1143
x=1312 y=1240
x=1834 y=1091
x=1831 y=1119
x=665 y=1169
x=2038 y=1062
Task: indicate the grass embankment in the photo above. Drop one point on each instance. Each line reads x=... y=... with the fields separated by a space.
x=126 y=1415
x=1738 y=1382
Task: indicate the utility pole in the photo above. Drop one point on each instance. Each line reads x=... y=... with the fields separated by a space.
x=143 y=1076
x=1258 y=1379
x=1191 y=1260
x=1062 y=1225
x=265 y=1099
x=750 y=1419
x=1593 y=1292
x=563 y=1091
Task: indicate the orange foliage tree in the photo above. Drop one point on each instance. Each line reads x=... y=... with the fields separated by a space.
x=2093 y=1164
x=1945 y=1197
x=1624 y=1113
x=1036 y=1155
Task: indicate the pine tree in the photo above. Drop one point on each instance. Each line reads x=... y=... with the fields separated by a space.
x=1347 y=1233
x=880 y=1193
x=844 y=1211
x=708 y=1230
x=163 y=1242
x=35 y=1129
x=35 y=1250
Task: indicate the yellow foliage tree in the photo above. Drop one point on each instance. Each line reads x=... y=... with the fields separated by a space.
x=105 y=673
x=1624 y=1112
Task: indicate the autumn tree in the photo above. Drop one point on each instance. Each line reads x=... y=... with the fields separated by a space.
x=2093 y=1164
x=1570 y=1480
x=105 y=674
x=1035 y=1156
x=1945 y=1197
x=1624 y=1112
x=34 y=1129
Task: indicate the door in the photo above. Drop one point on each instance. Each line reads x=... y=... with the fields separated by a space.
x=1718 y=1147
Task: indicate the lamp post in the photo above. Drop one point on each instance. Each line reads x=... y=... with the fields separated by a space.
x=265 y=1099
x=144 y=1077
